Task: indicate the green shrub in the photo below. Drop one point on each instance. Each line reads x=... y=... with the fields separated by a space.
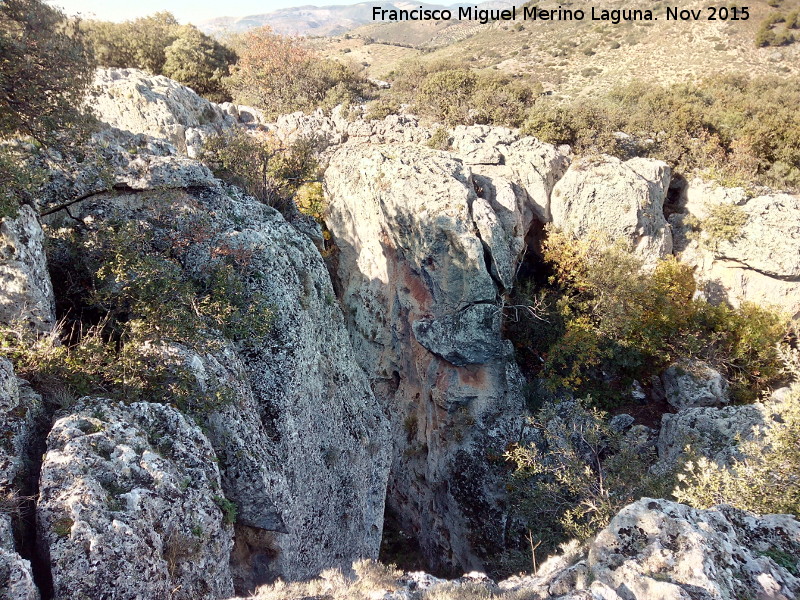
x=604 y=322
x=130 y=302
x=723 y=224
x=440 y=140
x=262 y=165
x=580 y=473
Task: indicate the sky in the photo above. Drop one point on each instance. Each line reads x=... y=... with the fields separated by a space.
x=186 y=11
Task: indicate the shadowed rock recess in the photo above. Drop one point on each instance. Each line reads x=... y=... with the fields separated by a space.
x=383 y=378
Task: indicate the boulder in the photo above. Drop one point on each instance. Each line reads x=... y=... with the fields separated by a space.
x=130 y=505
x=421 y=275
x=711 y=432
x=691 y=384
x=137 y=102
x=665 y=550
x=621 y=200
x=302 y=436
x=760 y=265
x=26 y=293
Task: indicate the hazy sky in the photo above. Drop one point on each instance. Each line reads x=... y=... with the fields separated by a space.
x=187 y=11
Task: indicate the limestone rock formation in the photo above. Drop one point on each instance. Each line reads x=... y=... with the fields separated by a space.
x=26 y=293
x=661 y=549
x=421 y=295
x=622 y=200
x=20 y=409
x=761 y=263
x=711 y=432
x=304 y=444
x=130 y=505
x=690 y=384
x=16 y=577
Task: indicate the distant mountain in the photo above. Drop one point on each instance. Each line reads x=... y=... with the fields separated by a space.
x=319 y=20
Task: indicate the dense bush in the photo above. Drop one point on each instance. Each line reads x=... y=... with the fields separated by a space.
x=604 y=322
x=44 y=72
x=279 y=75
x=161 y=45
x=764 y=477
x=455 y=95
x=737 y=128
x=128 y=302
x=577 y=476
x=263 y=166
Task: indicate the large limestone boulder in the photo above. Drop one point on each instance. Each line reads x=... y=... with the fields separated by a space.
x=130 y=505
x=26 y=293
x=422 y=262
x=762 y=263
x=621 y=200
x=661 y=549
x=710 y=432
x=689 y=384
x=16 y=576
x=302 y=436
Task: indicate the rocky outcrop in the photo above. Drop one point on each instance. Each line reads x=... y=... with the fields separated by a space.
x=303 y=444
x=710 y=432
x=20 y=409
x=661 y=549
x=26 y=293
x=691 y=384
x=421 y=286
x=130 y=505
x=761 y=263
x=621 y=200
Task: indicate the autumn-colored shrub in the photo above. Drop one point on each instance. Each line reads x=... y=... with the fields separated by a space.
x=280 y=75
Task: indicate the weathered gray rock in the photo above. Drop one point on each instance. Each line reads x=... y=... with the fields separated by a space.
x=690 y=384
x=129 y=505
x=135 y=101
x=165 y=172
x=20 y=408
x=16 y=577
x=661 y=549
x=26 y=293
x=303 y=436
x=466 y=338
x=420 y=295
x=761 y=264
x=621 y=200
x=710 y=432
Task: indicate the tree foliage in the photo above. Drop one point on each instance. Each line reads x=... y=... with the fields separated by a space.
x=159 y=44
x=44 y=72
x=605 y=322
x=279 y=75
x=578 y=474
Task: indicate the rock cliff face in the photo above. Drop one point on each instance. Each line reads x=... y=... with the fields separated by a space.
x=303 y=445
x=423 y=305
x=760 y=263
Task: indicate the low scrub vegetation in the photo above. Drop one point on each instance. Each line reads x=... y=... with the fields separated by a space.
x=130 y=307
x=603 y=323
x=736 y=128
x=575 y=478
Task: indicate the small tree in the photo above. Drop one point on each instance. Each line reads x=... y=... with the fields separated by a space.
x=279 y=75
x=44 y=72
x=200 y=62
